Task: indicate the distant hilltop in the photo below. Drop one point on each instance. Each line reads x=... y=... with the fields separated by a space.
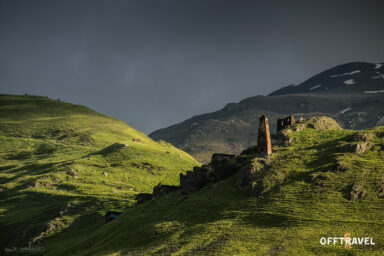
x=352 y=94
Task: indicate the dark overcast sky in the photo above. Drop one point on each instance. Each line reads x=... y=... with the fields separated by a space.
x=153 y=63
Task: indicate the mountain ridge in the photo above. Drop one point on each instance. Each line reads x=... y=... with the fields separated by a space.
x=354 y=106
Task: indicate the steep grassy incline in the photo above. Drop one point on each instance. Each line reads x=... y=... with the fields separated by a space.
x=320 y=184
x=63 y=165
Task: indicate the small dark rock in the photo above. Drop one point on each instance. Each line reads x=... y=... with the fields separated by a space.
x=72 y=173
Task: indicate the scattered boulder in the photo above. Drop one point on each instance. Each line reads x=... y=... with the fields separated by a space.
x=72 y=173
x=111 y=215
x=161 y=190
x=362 y=148
x=193 y=180
x=105 y=174
x=143 y=197
x=357 y=192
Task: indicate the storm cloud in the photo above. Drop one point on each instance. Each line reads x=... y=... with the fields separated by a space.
x=153 y=63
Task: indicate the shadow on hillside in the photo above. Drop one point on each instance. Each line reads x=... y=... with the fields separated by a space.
x=34 y=213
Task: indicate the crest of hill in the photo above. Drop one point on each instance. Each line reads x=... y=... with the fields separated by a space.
x=317 y=123
x=60 y=162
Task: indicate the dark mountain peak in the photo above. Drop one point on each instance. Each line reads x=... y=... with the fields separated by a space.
x=350 y=78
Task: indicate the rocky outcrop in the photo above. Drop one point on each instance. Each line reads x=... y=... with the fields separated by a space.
x=362 y=136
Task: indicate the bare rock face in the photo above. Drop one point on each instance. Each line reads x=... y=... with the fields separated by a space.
x=357 y=192
x=143 y=197
x=362 y=148
x=161 y=190
x=193 y=180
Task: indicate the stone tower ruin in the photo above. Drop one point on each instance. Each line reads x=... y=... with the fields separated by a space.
x=264 y=146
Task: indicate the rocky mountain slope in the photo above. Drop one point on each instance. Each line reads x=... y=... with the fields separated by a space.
x=63 y=166
x=352 y=94
x=319 y=181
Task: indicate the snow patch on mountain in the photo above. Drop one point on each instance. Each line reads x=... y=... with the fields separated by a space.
x=379 y=75
x=347 y=74
x=345 y=110
x=349 y=81
x=378 y=65
x=354 y=72
x=370 y=92
x=317 y=86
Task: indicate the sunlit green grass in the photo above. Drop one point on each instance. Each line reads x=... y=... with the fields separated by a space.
x=42 y=139
x=288 y=219
x=302 y=197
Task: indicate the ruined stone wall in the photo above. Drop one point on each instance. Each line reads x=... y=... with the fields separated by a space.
x=285 y=123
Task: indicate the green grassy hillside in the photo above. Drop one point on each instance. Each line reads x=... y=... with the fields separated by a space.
x=62 y=166
x=316 y=185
